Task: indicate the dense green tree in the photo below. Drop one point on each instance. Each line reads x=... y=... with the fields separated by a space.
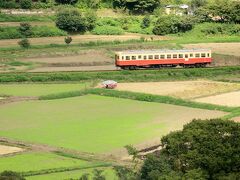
x=91 y=19
x=25 y=4
x=146 y=22
x=137 y=6
x=66 y=1
x=204 y=149
x=25 y=29
x=10 y=175
x=71 y=20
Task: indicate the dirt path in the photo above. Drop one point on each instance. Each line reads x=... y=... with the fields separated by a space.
x=12 y=99
x=5 y=150
x=78 y=39
x=219 y=48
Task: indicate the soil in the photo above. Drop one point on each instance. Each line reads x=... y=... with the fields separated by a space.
x=237 y=119
x=79 y=39
x=86 y=58
x=226 y=99
x=181 y=89
x=9 y=149
x=16 y=99
x=219 y=48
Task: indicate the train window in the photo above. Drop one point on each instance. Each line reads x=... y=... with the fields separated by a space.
x=197 y=55
x=174 y=56
x=145 y=57
x=127 y=57
x=139 y=57
x=191 y=55
x=186 y=55
x=156 y=57
x=162 y=56
x=180 y=55
x=208 y=55
x=169 y=56
x=150 y=57
x=134 y=57
x=122 y=57
x=203 y=55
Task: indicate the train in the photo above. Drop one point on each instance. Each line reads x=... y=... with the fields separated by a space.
x=134 y=59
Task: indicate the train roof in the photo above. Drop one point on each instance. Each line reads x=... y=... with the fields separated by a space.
x=162 y=51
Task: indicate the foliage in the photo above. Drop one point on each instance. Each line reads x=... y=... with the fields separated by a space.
x=24 y=43
x=137 y=6
x=107 y=30
x=98 y=175
x=25 y=4
x=66 y=1
x=10 y=175
x=203 y=149
x=24 y=18
x=25 y=29
x=70 y=20
x=172 y=24
x=146 y=22
x=35 y=31
x=68 y=39
x=125 y=173
x=91 y=19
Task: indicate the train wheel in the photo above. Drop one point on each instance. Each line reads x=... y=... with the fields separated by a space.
x=132 y=68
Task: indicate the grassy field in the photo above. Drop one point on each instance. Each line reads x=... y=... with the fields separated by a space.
x=36 y=161
x=107 y=172
x=94 y=123
x=39 y=89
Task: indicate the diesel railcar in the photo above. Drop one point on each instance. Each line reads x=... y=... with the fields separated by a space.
x=134 y=59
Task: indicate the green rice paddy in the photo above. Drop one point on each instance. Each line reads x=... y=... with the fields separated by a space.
x=94 y=123
x=39 y=89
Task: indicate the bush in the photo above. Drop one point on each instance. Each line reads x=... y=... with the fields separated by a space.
x=107 y=30
x=25 y=4
x=172 y=24
x=66 y=1
x=146 y=22
x=68 y=39
x=9 y=4
x=217 y=28
x=71 y=20
x=24 y=43
x=25 y=29
x=11 y=175
x=91 y=18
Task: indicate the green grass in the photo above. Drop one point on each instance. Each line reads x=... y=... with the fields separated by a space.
x=37 y=161
x=107 y=172
x=94 y=123
x=39 y=89
x=25 y=18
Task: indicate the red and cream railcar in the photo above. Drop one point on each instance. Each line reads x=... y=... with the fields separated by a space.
x=163 y=58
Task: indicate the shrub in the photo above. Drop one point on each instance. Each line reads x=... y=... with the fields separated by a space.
x=24 y=43
x=70 y=20
x=8 y=4
x=68 y=39
x=25 y=4
x=8 y=175
x=66 y=1
x=107 y=30
x=172 y=24
x=25 y=29
x=91 y=18
x=146 y=22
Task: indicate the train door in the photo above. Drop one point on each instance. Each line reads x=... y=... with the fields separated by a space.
x=186 y=56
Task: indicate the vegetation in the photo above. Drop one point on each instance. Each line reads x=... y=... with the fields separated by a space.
x=24 y=18
x=68 y=39
x=67 y=1
x=107 y=30
x=25 y=4
x=24 y=43
x=70 y=20
x=36 y=31
x=8 y=175
x=202 y=150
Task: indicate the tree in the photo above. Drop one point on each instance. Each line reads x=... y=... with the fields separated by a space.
x=10 y=175
x=25 y=29
x=24 y=43
x=203 y=149
x=68 y=39
x=25 y=4
x=137 y=6
x=146 y=22
x=71 y=20
x=98 y=175
x=66 y=1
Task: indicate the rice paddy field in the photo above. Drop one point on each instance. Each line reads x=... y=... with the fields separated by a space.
x=93 y=123
x=39 y=89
